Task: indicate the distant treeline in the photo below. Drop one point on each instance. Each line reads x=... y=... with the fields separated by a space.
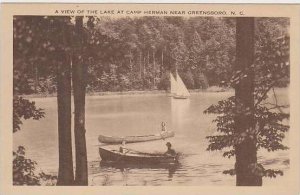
x=134 y=53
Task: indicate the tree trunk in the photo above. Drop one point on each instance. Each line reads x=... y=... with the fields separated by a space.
x=65 y=170
x=36 y=78
x=79 y=83
x=246 y=152
x=153 y=57
x=130 y=61
x=144 y=71
x=144 y=67
x=153 y=71
x=140 y=64
x=162 y=62
x=148 y=58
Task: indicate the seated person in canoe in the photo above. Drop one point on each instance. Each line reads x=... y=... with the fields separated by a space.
x=170 y=151
x=122 y=148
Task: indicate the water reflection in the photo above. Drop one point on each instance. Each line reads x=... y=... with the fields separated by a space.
x=125 y=167
x=179 y=109
x=172 y=170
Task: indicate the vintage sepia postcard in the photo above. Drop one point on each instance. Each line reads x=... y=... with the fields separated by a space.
x=137 y=99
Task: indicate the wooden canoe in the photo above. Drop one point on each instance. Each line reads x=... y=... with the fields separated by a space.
x=109 y=155
x=134 y=139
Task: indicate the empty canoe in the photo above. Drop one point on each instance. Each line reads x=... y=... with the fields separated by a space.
x=133 y=139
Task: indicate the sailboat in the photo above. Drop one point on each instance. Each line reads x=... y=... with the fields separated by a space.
x=178 y=89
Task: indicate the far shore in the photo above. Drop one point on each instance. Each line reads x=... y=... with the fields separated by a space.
x=146 y=92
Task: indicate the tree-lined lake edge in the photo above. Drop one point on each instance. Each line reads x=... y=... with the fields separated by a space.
x=134 y=92
x=212 y=89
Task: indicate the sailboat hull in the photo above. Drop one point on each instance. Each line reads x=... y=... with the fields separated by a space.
x=180 y=97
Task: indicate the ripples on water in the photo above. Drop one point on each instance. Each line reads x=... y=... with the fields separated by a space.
x=138 y=115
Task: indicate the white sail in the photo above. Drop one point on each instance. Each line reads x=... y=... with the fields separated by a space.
x=178 y=89
x=173 y=85
x=181 y=88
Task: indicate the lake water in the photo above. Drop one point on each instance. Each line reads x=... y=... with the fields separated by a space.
x=138 y=115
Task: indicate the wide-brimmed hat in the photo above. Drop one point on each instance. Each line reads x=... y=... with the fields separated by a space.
x=168 y=144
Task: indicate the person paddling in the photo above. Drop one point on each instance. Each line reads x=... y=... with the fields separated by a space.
x=170 y=151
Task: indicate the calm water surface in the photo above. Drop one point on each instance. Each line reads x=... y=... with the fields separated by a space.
x=138 y=115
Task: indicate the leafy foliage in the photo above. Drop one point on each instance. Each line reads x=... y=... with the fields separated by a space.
x=24 y=109
x=271 y=68
x=28 y=53
x=144 y=49
x=32 y=46
x=25 y=173
x=141 y=49
x=24 y=169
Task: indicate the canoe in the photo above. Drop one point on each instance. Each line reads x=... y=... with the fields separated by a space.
x=134 y=139
x=110 y=155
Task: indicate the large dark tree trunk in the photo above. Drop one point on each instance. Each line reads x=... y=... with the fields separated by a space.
x=246 y=152
x=79 y=70
x=65 y=170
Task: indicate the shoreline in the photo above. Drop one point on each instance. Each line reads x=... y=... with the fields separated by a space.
x=128 y=93
x=139 y=93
